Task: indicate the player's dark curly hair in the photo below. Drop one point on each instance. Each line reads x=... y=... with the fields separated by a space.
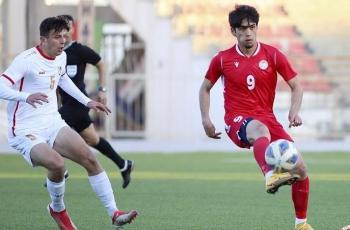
x=242 y=12
x=52 y=23
x=66 y=17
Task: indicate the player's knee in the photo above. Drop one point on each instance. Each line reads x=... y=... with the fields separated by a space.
x=257 y=130
x=262 y=131
x=92 y=140
x=56 y=165
x=301 y=169
x=90 y=163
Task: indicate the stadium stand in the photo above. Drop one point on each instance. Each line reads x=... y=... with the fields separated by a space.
x=297 y=31
x=204 y=21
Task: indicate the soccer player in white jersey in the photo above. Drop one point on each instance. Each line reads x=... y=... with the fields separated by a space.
x=38 y=132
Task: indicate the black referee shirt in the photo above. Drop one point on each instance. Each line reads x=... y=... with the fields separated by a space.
x=78 y=56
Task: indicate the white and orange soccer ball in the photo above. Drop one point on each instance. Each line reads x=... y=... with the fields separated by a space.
x=282 y=155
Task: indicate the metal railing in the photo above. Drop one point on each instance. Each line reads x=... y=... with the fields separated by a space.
x=124 y=55
x=128 y=107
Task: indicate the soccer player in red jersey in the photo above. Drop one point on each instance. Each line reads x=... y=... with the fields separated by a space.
x=249 y=72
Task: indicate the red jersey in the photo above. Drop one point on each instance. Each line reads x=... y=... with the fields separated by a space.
x=249 y=82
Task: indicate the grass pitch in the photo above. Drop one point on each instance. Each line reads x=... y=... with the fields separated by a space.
x=194 y=191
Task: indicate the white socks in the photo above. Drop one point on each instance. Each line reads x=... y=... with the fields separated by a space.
x=56 y=191
x=102 y=187
x=299 y=221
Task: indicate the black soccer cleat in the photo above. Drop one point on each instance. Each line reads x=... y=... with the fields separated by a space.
x=126 y=171
x=66 y=175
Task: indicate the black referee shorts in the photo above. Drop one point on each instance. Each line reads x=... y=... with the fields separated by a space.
x=76 y=116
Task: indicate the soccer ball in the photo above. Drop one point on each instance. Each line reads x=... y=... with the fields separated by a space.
x=281 y=155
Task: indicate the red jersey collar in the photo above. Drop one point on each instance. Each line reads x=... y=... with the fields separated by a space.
x=255 y=53
x=43 y=54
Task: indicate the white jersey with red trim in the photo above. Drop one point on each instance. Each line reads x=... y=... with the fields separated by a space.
x=33 y=72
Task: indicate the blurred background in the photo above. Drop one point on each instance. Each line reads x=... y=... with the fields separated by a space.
x=157 y=53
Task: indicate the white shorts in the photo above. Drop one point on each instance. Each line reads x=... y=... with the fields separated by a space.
x=24 y=141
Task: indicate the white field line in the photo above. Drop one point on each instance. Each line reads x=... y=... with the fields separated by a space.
x=147 y=175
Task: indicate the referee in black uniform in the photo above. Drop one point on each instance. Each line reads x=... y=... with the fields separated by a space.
x=75 y=114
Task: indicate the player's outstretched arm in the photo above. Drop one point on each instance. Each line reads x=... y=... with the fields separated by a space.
x=101 y=95
x=204 y=104
x=69 y=87
x=296 y=99
x=99 y=107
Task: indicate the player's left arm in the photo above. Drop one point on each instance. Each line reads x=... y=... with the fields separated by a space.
x=88 y=55
x=285 y=69
x=296 y=99
x=69 y=87
x=101 y=95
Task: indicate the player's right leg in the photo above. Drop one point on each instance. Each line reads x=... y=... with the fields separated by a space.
x=300 y=196
x=37 y=152
x=43 y=155
x=258 y=135
x=245 y=131
x=77 y=117
x=71 y=145
x=91 y=137
x=300 y=188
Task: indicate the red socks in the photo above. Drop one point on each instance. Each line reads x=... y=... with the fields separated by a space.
x=300 y=197
x=300 y=189
x=259 y=147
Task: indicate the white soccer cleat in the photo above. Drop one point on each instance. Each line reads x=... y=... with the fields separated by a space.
x=121 y=218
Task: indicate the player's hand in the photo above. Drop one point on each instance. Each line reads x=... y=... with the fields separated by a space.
x=99 y=107
x=101 y=97
x=37 y=98
x=294 y=120
x=210 y=130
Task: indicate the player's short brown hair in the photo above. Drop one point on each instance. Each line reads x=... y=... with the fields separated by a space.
x=52 y=23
